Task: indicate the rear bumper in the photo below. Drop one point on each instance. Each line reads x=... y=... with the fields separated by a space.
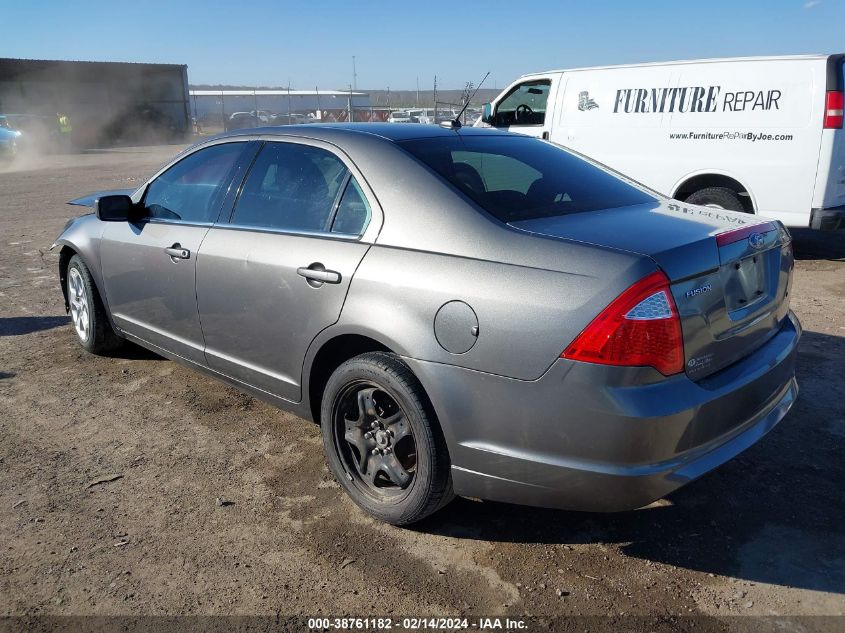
x=827 y=219
x=597 y=438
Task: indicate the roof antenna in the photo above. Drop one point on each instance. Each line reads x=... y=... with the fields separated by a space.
x=455 y=123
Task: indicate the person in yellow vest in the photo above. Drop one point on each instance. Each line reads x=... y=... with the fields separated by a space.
x=65 y=131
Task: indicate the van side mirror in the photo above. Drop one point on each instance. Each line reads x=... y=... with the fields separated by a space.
x=115 y=209
x=487 y=114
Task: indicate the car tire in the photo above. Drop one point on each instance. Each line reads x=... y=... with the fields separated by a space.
x=373 y=403
x=717 y=197
x=88 y=314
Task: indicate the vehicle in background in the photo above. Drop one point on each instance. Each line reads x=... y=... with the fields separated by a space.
x=8 y=143
x=35 y=133
x=594 y=346
x=241 y=120
x=444 y=116
x=399 y=116
x=294 y=118
x=422 y=115
x=761 y=135
x=472 y=115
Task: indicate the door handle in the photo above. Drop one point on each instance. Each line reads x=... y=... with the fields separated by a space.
x=545 y=136
x=177 y=252
x=316 y=275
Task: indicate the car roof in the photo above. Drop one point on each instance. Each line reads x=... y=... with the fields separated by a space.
x=388 y=131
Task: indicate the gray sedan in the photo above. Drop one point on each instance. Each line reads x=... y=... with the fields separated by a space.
x=464 y=312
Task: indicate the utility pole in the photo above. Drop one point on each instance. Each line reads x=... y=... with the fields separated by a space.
x=354 y=75
x=351 y=115
x=288 y=100
x=435 y=98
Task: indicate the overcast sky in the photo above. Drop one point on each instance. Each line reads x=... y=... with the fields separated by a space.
x=311 y=43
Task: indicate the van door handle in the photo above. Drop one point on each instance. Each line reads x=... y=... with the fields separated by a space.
x=316 y=275
x=177 y=252
x=545 y=136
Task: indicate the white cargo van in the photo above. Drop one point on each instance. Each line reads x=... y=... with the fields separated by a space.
x=762 y=135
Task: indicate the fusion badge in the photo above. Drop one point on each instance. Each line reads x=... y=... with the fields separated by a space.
x=698 y=291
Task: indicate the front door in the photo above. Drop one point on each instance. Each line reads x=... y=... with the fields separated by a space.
x=149 y=266
x=278 y=274
x=527 y=108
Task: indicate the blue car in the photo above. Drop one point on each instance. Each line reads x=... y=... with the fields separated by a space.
x=8 y=143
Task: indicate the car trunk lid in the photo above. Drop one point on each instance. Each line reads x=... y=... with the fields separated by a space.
x=730 y=272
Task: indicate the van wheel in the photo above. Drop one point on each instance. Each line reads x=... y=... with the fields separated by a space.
x=382 y=440
x=718 y=198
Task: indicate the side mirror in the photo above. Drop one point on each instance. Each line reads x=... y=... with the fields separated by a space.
x=115 y=209
x=487 y=114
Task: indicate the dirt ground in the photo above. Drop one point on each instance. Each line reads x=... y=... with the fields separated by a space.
x=762 y=535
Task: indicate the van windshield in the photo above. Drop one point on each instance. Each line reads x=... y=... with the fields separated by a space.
x=521 y=178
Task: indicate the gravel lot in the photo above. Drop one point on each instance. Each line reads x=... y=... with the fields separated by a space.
x=763 y=535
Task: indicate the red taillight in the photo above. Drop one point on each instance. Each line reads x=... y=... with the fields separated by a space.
x=641 y=327
x=833 y=109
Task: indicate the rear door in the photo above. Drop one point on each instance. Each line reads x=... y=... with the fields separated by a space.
x=277 y=274
x=527 y=107
x=149 y=266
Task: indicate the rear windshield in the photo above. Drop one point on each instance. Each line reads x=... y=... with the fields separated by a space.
x=520 y=178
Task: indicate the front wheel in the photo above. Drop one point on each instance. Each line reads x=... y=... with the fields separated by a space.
x=87 y=312
x=382 y=440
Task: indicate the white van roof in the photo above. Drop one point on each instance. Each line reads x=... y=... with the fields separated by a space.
x=685 y=61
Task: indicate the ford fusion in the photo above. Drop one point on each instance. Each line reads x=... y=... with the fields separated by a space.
x=463 y=311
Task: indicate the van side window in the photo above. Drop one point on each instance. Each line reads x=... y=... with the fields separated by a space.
x=524 y=105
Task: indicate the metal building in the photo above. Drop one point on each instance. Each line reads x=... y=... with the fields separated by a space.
x=106 y=102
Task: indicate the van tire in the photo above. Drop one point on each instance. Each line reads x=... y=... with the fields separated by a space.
x=718 y=197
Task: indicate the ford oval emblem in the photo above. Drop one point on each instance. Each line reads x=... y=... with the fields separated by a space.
x=756 y=240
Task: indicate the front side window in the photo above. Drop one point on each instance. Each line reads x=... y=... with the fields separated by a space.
x=191 y=190
x=524 y=105
x=291 y=187
x=521 y=178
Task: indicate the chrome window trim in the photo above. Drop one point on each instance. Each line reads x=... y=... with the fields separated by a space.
x=344 y=237
x=173 y=222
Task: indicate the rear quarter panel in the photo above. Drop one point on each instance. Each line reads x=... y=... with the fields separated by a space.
x=526 y=316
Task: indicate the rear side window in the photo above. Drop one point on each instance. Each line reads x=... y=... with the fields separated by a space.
x=353 y=212
x=291 y=187
x=520 y=178
x=191 y=190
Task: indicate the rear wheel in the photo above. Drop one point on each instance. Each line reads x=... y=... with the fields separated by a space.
x=383 y=442
x=87 y=312
x=717 y=198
